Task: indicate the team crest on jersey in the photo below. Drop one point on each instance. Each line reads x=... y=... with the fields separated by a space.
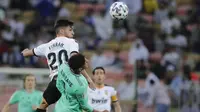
x=106 y=92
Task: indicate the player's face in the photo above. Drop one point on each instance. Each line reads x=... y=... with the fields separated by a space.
x=99 y=76
x=30 y=82
x=69 y=32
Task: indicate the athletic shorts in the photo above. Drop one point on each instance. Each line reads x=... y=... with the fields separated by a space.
x=52 y=94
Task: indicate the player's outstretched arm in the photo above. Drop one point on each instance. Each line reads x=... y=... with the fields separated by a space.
x=91 y=83
x=13 y=100
x=6 y=107
x=38 y=51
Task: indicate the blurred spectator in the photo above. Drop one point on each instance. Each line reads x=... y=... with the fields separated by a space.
x=150 y=6
x=46 y=9
x=82 y=32
x=20 y=4
x=177 y=39
x=161 y=13
x=134 y=6
x=160 y=42
x=64 y=12
x=120 y=33
x=181 y=80
x=89 y=17
x=126 y=91
x=162 y=99
x=8 y=58
x=157 y=92
x=171 y=57
x=117 y=62
x=34 y=2
x=103 y=25
x=151 y=81
x=138 y=52
x=17 y=26
x=171 y=72
x=169 y=23
x=5 y=3
x=158 y=69
x=8 y=35
x=2 y=14
x=99 y=59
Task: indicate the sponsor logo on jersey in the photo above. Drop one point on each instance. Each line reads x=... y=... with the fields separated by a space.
x=106 y=92
x=99 y=101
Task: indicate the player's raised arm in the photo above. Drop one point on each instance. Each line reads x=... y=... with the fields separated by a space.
x=38 y=51
x=73 y=51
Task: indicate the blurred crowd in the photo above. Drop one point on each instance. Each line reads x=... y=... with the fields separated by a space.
x=156 y=41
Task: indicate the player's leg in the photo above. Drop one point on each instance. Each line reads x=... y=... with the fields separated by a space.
x=50 y=96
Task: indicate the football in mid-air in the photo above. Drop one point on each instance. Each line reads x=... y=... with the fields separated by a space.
x=119 y=10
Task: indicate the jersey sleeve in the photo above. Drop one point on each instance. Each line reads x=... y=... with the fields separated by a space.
x=114 y=95
x=83 y=101
x=74 y=47
x=40 y=50
x=15 y=97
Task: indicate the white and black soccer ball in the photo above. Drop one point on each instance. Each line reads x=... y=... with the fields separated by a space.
x=119 y=10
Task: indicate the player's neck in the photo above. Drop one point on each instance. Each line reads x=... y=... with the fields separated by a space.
x=99 y=86
x=29 y=90
x=60 y=36
x=76 y=72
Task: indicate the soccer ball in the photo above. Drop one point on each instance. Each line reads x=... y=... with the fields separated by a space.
x=119 y=10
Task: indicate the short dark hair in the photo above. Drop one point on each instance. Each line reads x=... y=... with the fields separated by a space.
x=62 y=23
x=97 y=68
x=77 y=62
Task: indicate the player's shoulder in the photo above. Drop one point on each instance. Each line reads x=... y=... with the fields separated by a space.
x=64 y=65
x=71 y=40
x=19 y=91
x=38 y=92
x=109 y=87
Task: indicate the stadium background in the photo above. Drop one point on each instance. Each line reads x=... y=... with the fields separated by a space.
x=163 y=35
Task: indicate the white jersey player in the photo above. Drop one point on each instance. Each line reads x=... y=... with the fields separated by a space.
x=57 y=51
x=104 y=96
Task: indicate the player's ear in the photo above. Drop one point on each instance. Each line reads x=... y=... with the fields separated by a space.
x=62 y=31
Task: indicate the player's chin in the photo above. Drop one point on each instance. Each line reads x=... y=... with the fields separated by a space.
x=86 y=66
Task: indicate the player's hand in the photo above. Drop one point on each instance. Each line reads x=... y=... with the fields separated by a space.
x=24 y=51
x=34 y=107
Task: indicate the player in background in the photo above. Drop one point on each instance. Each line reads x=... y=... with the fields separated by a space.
x=57 y=51
x=104 y=96
x=73 y=86
x=28 y=98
